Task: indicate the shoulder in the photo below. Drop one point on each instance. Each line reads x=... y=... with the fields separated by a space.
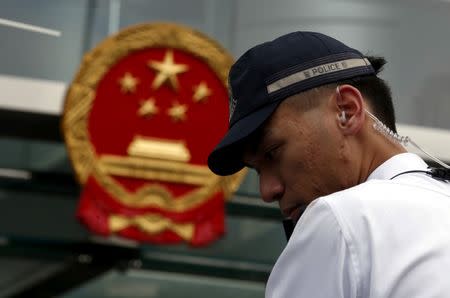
x=377 y=195
x=318 y=253
x=353 y=202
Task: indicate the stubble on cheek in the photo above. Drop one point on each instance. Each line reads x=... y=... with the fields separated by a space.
x=310 y=182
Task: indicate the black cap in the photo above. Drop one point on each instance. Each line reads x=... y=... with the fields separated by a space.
x=269 y=73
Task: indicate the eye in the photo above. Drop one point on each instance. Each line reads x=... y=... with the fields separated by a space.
x=270 y=153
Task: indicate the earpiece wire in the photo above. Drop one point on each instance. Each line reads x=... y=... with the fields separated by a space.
x=403 y=140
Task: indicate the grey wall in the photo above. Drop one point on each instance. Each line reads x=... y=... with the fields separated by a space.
x=28 y=54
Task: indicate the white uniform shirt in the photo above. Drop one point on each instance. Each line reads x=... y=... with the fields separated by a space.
x=381 y=239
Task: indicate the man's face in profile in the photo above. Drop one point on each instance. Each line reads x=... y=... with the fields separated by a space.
x=296 y=155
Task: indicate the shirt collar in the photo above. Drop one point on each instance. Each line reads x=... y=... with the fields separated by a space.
x=397 y=164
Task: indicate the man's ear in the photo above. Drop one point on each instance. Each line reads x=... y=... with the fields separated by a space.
x=349 y=107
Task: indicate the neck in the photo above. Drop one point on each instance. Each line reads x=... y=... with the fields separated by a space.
x=376 y=151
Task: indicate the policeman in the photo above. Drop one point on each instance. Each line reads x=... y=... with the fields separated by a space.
x=312 y=117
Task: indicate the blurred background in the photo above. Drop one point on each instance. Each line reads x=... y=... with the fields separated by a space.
x=45 y=252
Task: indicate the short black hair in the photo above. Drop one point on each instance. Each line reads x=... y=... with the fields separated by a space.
x=376 y=91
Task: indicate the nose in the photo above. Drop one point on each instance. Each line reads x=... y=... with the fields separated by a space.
x=270 y=187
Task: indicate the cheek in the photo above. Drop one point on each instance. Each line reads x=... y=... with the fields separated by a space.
x=294 y=170
x=313 y=156
x=307 y=176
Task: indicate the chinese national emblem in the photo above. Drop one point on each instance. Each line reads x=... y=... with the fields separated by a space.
x=144 y=110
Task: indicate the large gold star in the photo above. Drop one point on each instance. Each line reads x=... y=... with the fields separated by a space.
x=128 y=83
x=177 y=112
x=201 y=92
x=148 y=108
x=167 y=71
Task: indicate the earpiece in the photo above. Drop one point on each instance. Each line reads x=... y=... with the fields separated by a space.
x=342 y=117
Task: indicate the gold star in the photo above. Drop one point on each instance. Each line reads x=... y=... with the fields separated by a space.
x=167 y=71
x=177 y=112
x=148 y=108
x=201 y=92
x=128 y=83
